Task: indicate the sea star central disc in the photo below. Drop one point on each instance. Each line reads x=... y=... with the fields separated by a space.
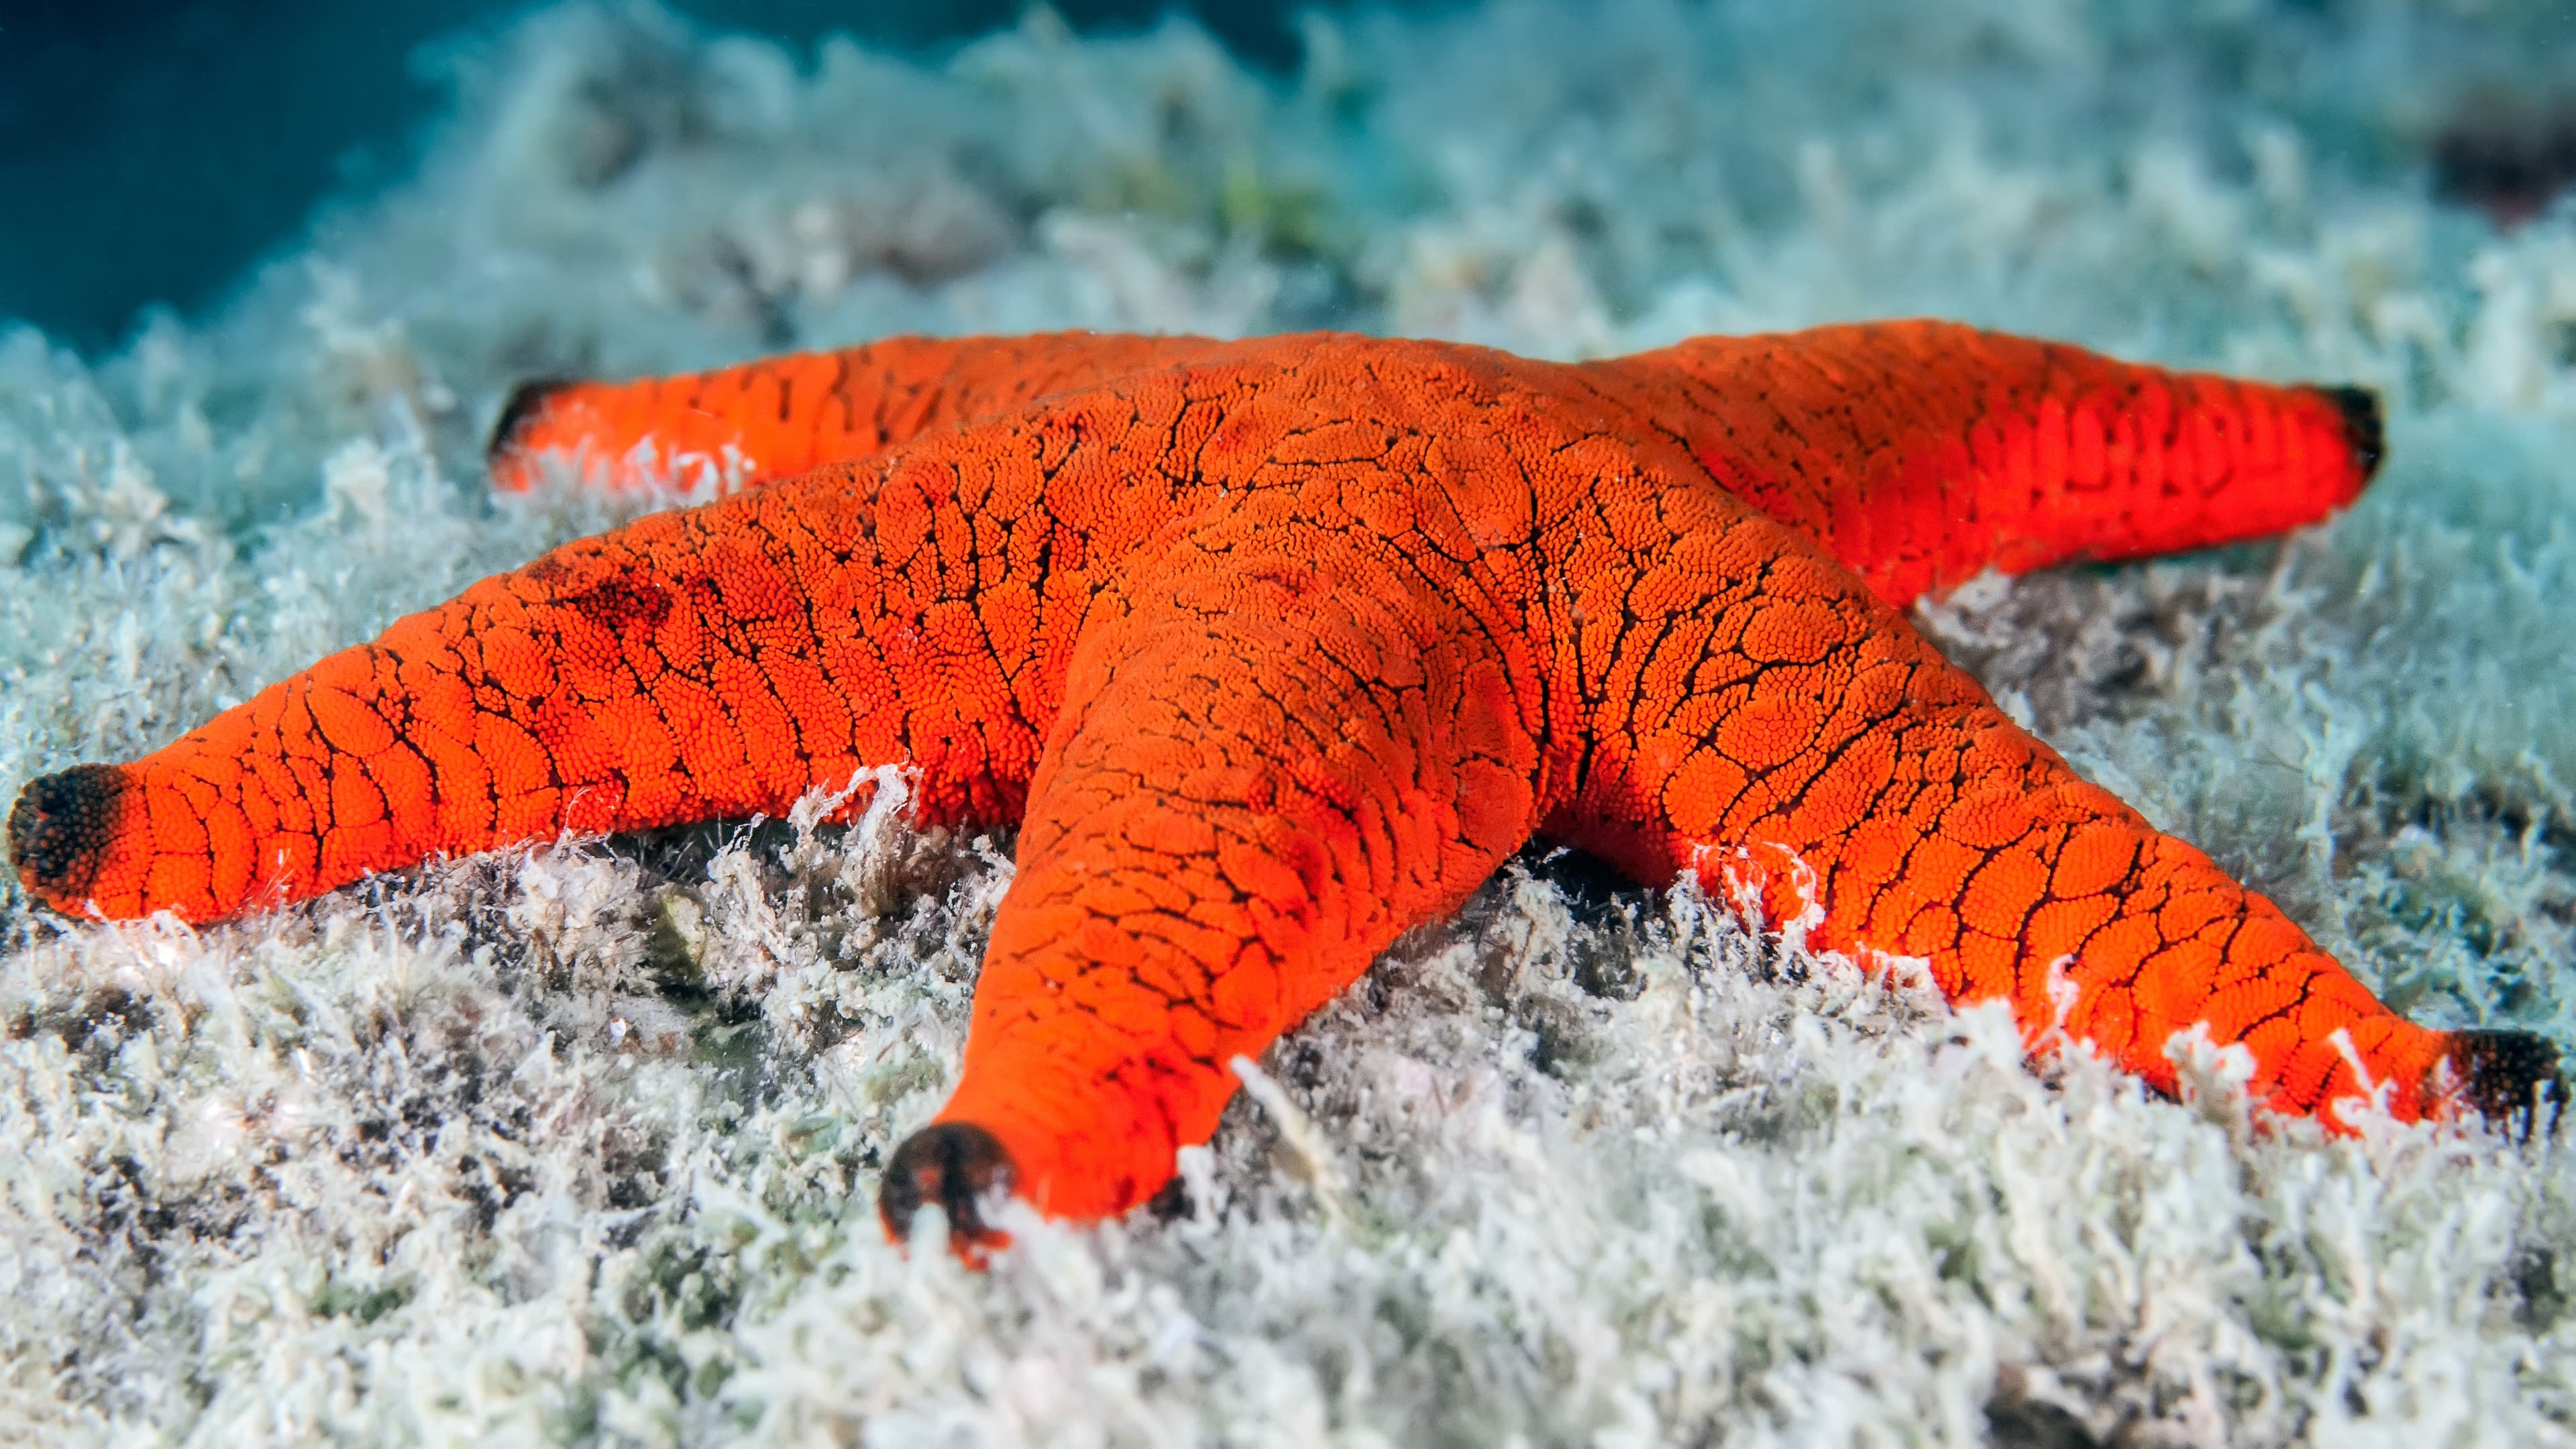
x=1278 y=648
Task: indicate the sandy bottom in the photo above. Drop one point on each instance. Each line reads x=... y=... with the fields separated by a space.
x=580 y=1143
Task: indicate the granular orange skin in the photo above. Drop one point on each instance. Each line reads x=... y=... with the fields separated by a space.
x=1277 y=648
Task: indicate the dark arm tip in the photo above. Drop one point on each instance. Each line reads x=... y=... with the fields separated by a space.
x=60 y=824
x=2503 y=1071
x=2363 y=426
x=954 y=1164
x=525 y=402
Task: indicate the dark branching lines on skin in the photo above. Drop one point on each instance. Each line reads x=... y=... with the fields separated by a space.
x=1280 y=648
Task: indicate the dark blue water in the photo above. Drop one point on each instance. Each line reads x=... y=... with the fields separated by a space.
x=159 y=146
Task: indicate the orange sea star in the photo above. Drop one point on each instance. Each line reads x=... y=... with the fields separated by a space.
x=1277 y=648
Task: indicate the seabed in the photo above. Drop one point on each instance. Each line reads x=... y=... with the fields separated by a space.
x=579 y=1143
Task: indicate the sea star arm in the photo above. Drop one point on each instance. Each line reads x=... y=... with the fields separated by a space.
x=1921 y=453
x=1273 y=759
x=777 y=417
x=699 y=663
x=1763 y=720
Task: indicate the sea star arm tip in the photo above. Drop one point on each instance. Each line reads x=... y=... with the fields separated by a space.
x=2364 y=426
x=62 y=828
x=956 y=1165
x=518 y=427
x=2509 y=1076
